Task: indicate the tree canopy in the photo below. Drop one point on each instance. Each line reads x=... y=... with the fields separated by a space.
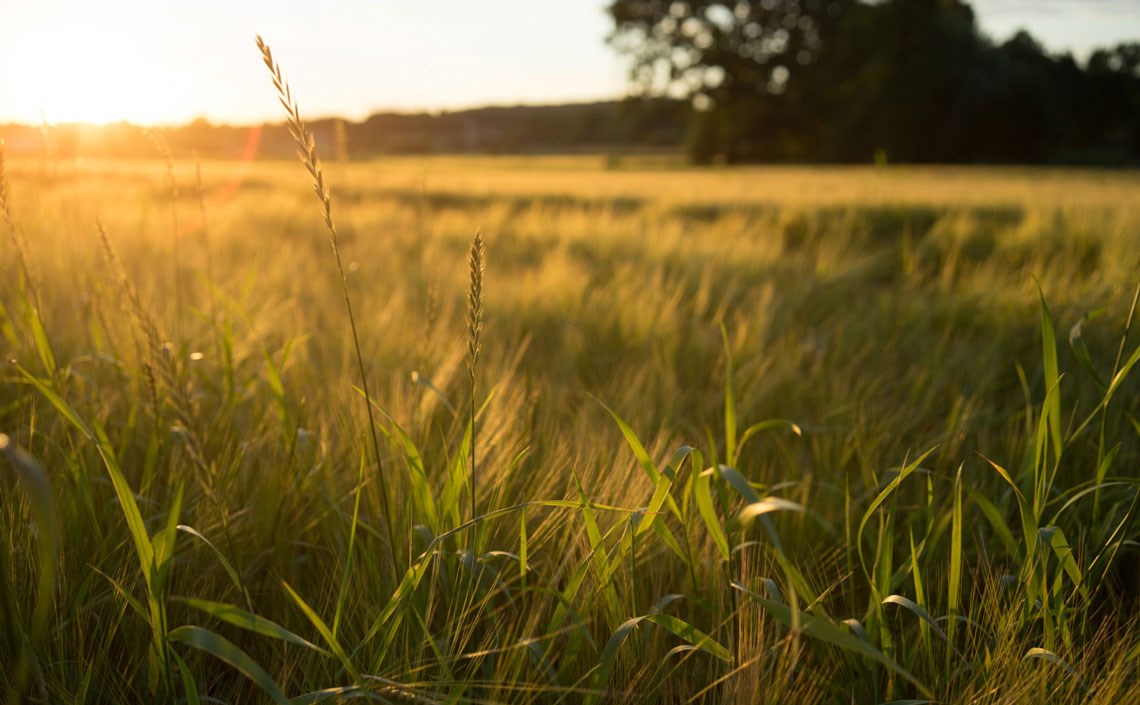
x=905 y=80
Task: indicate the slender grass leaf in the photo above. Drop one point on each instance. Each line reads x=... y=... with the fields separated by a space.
x=325 y=632
x=822 y=630
x=882 y=497
x=691 y=634
x=1054 y=537
x=219 y=647
x=996 y=520
x=189 y=687
x=766 y=426
x=44 y=512
x=130 y=599
x=1050 y=657
x=703 y=497
x=247 y=620
x=235 y=579
x=729 y=402
x=914 y=608
x=1052 y=407
x=1081 y=350
x=348 y=692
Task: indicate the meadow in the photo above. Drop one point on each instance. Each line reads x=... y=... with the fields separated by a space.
x=763 y=435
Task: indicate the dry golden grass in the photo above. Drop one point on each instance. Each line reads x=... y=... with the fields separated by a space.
x=886 y=311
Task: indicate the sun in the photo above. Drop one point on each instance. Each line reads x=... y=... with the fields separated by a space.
x=93 y=76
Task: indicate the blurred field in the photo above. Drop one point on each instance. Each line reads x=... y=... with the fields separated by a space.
x=886 y=312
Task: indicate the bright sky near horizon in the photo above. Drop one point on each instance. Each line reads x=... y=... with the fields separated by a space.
x=159 y=62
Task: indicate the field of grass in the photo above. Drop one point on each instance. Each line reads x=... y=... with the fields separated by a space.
x=755 y=435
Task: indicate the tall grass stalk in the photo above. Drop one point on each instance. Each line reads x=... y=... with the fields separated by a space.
x=307 y=151
x=476 y=261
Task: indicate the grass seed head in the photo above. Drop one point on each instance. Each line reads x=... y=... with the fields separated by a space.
x=476 y=261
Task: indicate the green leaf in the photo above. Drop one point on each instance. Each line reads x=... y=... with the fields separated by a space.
x=219 y=647
x=729 y=402
x=1054 y=537
x=1052 y=407
x=914 y=608
x=703 y=497
x=188 y=684
x=882 y=497
x=1081 y=351
x=1028 y=521
x=326 y=633
x=694 y=637
x=340 y=694
x=995 y=518
x=247 y=620
x=36 y=487
x=765 y=426
x=767 y=506
x=127 y=503
x=40 y=338
x=235 y=579
x=635 y=445
x=691 y=634
x=1050 y=657
x=822 y=630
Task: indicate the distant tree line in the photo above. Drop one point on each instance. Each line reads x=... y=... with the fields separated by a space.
x=651 y=124
x=899 y=80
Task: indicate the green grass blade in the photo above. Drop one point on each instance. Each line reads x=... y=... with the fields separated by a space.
x=922 y=614
x=703 y=498
x=41 y=340
x=995 y=518
x=238 y=617
x=1028 y=519
x=127 y=503
x=730 y=449
x=1052 y=407
x=42 y=503
x=882 y=497
x=1037 y=653
x=822 y=630
x=340 y=694
x=635 y=445
x=235 y=579
x=326 y=633
x=766 y=426
x=954 y=583
x=220 y=648
x=691 y=634
x=1081 y=350
x=1054 y=537
x=189 y=687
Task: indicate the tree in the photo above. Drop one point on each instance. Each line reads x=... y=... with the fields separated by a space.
x=747 y=64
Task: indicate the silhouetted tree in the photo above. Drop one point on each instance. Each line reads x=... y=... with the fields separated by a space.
x=745 y=65
x=912 y=80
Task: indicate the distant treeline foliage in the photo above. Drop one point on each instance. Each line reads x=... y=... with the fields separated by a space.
x=654 y=124
x=899 y=80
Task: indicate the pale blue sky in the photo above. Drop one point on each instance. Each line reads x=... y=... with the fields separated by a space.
x=156 y=61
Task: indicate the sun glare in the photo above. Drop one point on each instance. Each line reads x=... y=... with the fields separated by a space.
x=86 y=76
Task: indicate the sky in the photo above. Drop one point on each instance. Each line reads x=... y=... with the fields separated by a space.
x=164 y=62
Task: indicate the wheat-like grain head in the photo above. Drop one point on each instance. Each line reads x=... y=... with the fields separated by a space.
x=476 y=261
x=306 y=144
